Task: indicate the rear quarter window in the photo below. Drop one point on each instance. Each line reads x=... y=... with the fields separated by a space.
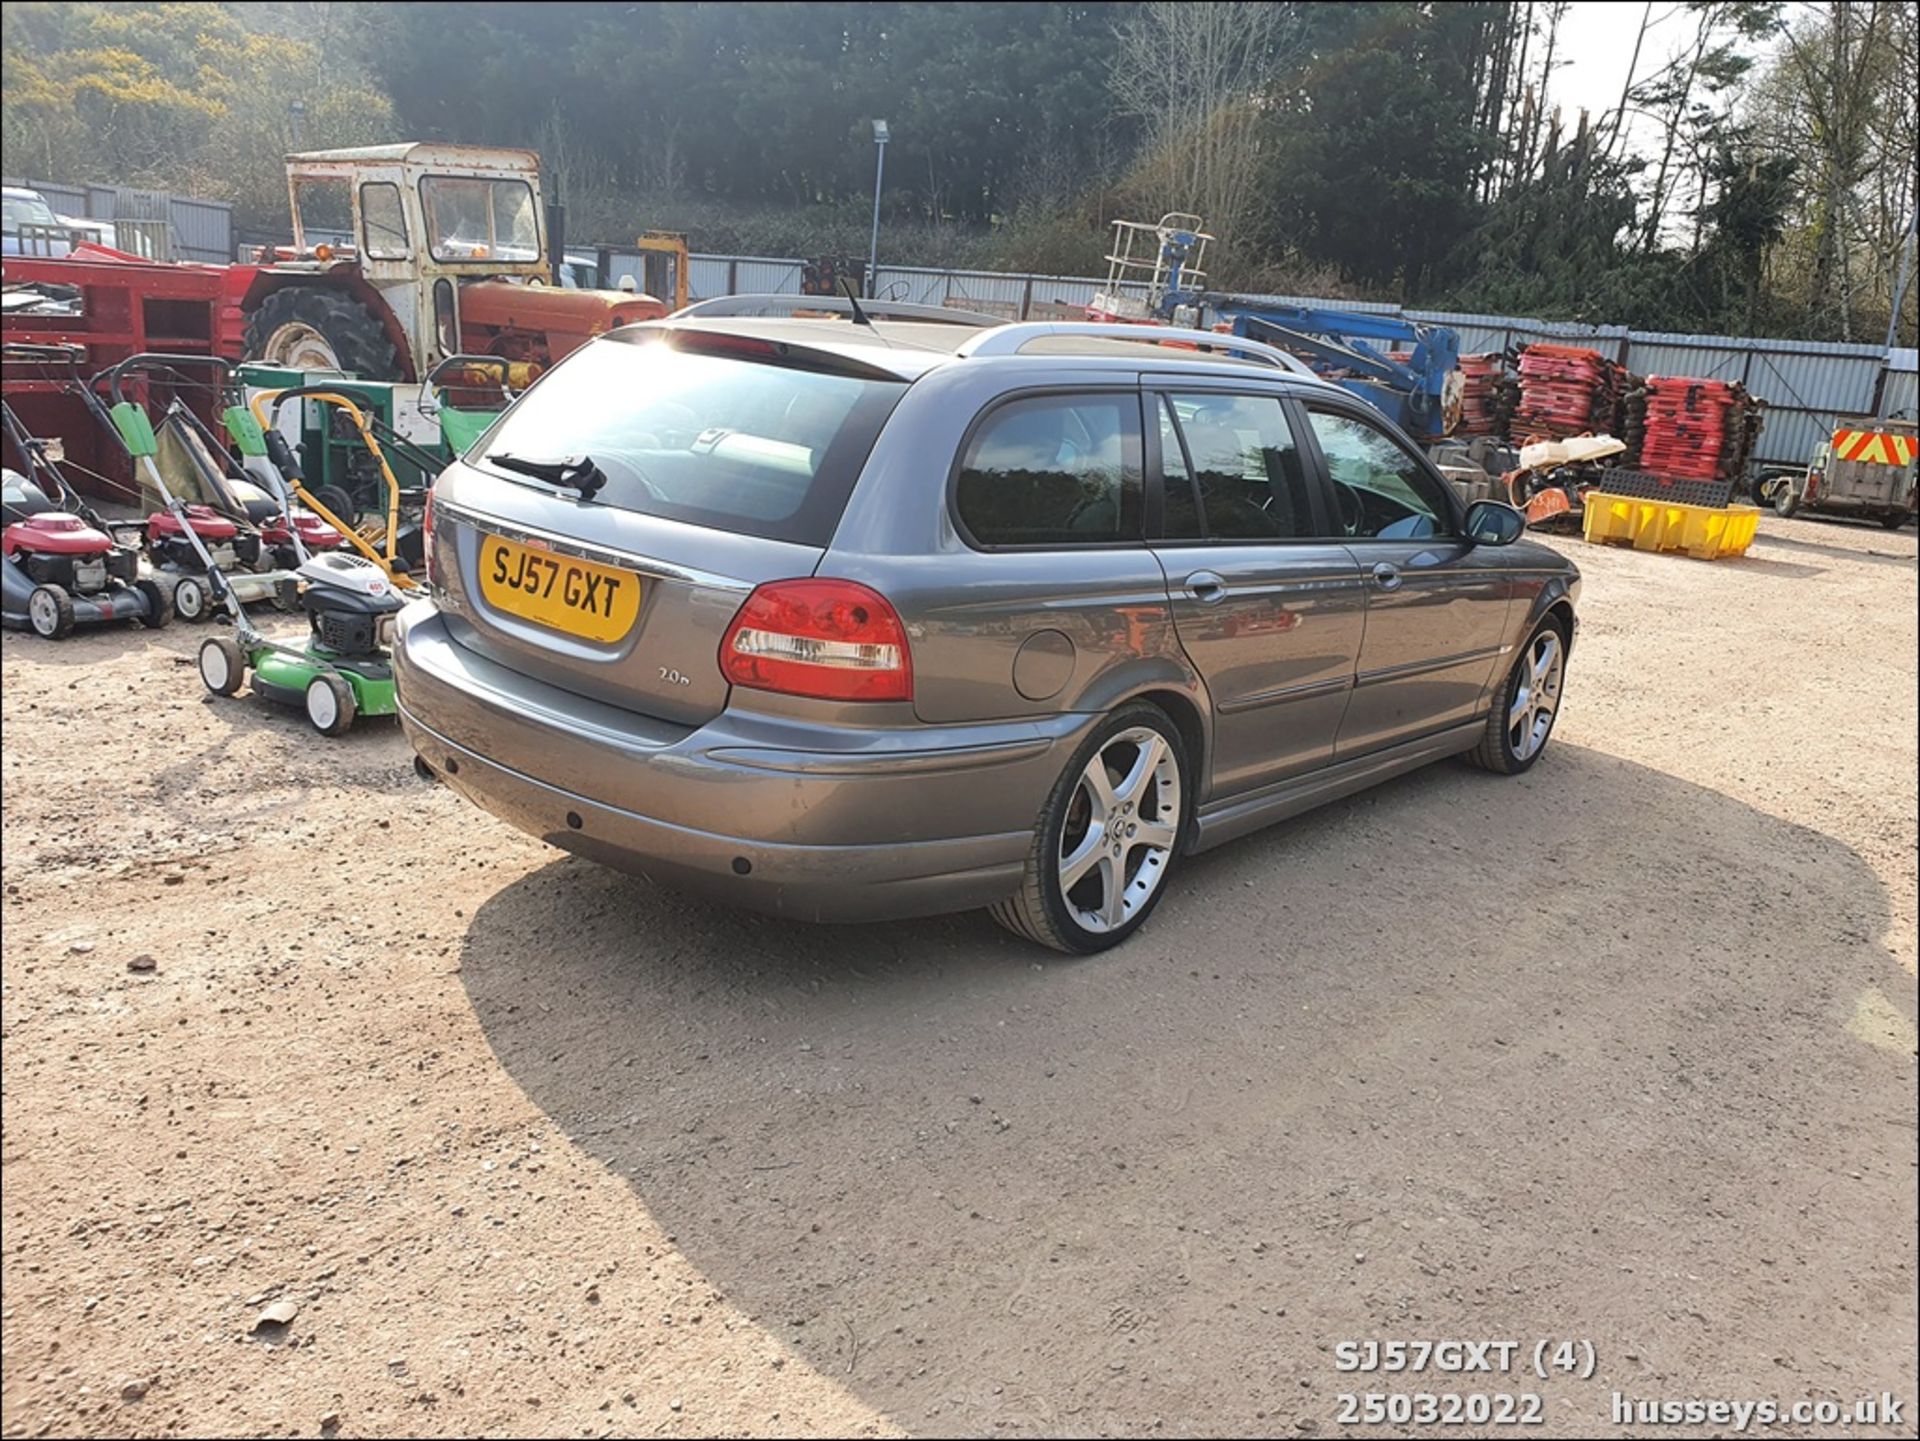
x=737 y=444
x=1054 y=470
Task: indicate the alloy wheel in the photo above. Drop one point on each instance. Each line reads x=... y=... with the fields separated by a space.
x=1122 y=824
x=1537 y=699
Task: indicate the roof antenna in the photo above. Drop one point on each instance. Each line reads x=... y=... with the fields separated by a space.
x=859 y=315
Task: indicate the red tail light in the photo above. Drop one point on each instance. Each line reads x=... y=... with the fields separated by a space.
x=830 y=639
x=426 y=538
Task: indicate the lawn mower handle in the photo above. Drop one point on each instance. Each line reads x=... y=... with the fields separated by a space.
x=158 y=360
x=332 y=388
x=24 y=350
x=20 y=352
x=266 y=409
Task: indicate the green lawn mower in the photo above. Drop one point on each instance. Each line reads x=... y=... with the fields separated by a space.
x=345 y=670
x=350 y=600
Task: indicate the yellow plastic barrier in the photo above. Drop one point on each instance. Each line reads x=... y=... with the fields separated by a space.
x=1696 y=530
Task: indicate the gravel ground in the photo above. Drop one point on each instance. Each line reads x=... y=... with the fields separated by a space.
x=1620 y=1052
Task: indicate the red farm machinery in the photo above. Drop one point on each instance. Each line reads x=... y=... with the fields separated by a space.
x=402 y=256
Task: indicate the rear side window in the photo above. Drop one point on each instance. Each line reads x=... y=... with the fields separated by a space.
x=1056 y=470
x=736 y=444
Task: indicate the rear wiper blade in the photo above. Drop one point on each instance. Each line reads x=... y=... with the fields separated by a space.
x=576 y=472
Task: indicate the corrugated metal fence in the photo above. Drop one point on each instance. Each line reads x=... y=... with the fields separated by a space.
x=1805 y=383
x=196 y=229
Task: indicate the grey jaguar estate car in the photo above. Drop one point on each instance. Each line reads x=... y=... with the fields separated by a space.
x=879 y=615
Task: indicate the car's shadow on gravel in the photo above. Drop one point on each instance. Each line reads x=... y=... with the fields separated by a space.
x=1563 y=1057
x=1898 y=555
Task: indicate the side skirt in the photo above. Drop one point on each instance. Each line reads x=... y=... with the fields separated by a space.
x=1230 y=819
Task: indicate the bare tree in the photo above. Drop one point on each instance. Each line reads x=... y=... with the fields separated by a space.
x=1194 y=75
x=1689 y=99
x=1842 y=66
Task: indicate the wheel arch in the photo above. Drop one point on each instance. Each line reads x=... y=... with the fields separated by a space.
x=1562 y=610
x=1163 y=682
x=1187 y=719
x=1555 y=598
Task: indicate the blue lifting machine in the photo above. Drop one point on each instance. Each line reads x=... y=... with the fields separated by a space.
x=1409 y=371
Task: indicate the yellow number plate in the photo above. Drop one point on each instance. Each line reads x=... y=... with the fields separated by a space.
x=595 y=602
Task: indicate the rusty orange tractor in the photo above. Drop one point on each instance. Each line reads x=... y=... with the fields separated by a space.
x=406 y=254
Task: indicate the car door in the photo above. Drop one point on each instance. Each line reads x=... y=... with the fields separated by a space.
x=1268 y=610
x=1436 y=604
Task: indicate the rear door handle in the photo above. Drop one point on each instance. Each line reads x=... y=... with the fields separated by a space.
x=1206 y=587
x=1387 y=577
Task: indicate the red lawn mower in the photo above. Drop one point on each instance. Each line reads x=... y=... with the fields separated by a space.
x=60 y=566
x=215 y=518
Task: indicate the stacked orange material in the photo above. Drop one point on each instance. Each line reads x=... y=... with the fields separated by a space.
x=1687 y=429
x=1488 y=396
x=1567 y=390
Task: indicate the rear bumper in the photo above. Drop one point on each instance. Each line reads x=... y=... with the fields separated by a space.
x=801 y=819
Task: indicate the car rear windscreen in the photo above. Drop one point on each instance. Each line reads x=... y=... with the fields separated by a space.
x=761 y=445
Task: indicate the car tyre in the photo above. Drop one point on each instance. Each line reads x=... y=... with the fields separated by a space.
x=1528 y=704
x=1103 y=853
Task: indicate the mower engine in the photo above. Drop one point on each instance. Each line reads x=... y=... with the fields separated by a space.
x=63 y=550
x=350 y=604
x=278 y=529
x=55 y=548
x=230 y=548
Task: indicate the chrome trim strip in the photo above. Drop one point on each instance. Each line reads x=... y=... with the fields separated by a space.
x=863 y=763
x=1284 y=693
x=645 y=565
x=1424 y=667
x=1286 y=587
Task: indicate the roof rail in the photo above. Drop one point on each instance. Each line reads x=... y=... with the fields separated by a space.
x=1012 y=339
x=731 y=305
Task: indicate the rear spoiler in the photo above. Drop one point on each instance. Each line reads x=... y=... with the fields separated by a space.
x=733 y=306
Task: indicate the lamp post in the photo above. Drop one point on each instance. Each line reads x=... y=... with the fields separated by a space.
x=296 y=112
x=880 y=138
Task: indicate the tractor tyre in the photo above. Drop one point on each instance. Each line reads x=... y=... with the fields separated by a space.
x=316 y=327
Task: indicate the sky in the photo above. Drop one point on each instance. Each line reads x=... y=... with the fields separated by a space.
x=1597 y=36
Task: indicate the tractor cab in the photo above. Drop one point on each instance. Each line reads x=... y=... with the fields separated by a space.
x=406 y=254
